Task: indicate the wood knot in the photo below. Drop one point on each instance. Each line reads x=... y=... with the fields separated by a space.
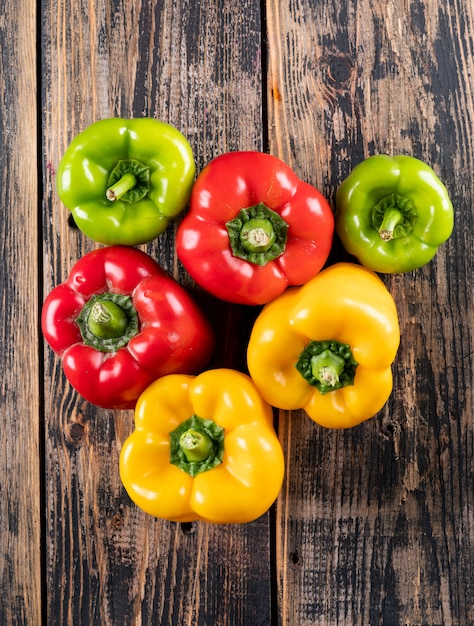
x=339 y=69
x=116 y=522
x=75 y=433
x=294 y=559
x=390 y=429
x=336 y=73
x=187 y=528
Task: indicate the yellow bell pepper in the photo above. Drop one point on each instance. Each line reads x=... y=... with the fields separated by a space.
x=203 y=448
x=327 y=347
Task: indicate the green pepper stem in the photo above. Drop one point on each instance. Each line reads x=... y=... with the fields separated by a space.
x=107 y=319
x=327 y=367
x=257 y=234
x=120 y=188
x=129 y=181
x=391 y=220
x=394 y=217
x=196 y=446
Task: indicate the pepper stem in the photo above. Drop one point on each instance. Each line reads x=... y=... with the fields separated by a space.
x=120 y=188
x=391 y=220
x=196 y=446
x=128 y=181
x=108 y=321
x=393 y=217
x=257 y=234
x=327 y=365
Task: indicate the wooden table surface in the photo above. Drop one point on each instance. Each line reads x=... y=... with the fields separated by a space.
x=374 y=525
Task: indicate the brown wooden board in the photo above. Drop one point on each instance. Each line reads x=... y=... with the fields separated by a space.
x=375 y=524
x=198 y=67
x=20 y=396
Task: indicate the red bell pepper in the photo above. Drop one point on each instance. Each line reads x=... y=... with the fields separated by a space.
x=119 y=322
x=253 y=229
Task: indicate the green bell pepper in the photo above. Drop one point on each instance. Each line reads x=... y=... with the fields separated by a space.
x=124 y=180
x=392 y=213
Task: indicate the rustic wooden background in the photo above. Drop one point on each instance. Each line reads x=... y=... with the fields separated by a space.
x=374 y=525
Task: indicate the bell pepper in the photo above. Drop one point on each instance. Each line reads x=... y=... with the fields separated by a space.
x=203 y=448
x=119 y=322
x=124 y=180
x=327 y=347
x=393 y=213
x=253 y=228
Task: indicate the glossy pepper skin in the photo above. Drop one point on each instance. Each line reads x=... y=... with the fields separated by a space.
x=253 y=229
x=124 y=179
x=327 y=347
x=393 y=213
x=235 y=479
x=119 y=322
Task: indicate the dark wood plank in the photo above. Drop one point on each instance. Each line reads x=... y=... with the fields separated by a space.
x=197 y=66
x=375 y=524
x=20 y=486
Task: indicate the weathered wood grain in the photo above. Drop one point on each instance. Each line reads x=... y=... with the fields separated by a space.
x=197 y=66
x=376 y=525
x=20 y=465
